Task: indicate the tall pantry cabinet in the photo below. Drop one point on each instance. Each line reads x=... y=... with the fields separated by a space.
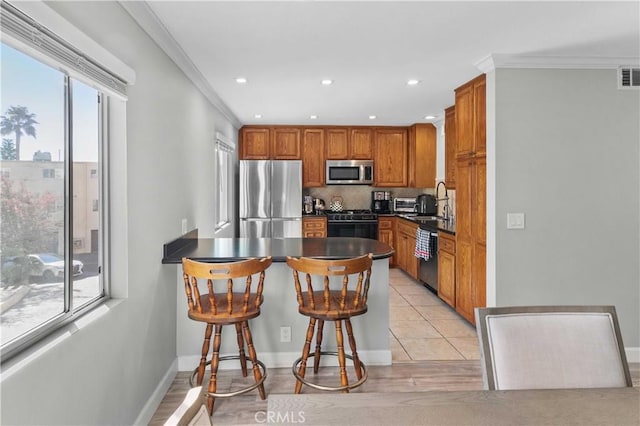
x=470 y=181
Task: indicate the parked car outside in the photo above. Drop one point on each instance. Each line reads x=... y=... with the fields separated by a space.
x=49 y=266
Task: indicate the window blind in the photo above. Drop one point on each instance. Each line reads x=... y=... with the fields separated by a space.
x=23 y=28
x=223 y=143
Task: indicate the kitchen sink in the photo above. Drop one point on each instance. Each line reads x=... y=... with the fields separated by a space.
x=419 y=217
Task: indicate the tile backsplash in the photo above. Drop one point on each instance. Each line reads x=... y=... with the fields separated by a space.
x=359 y=196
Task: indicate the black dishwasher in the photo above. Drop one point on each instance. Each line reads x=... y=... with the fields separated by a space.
x=429 y=268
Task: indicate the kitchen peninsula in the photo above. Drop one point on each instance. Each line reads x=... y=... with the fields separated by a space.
x=280 y=308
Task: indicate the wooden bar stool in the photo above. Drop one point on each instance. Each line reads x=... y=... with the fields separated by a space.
x=337 y=305
x=225 y=308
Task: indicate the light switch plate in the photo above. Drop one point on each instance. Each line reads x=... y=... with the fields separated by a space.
x=515 y=220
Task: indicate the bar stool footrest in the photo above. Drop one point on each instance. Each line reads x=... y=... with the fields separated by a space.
x=234 y=393
x=363 y=369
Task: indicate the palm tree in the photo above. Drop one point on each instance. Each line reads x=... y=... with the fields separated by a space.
x=18 y=120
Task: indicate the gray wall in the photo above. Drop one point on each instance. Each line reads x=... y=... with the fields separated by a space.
x=567 y=155
x=105 y=371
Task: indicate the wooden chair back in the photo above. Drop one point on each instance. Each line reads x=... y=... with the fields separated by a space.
x=227 y=302
x=334 y=303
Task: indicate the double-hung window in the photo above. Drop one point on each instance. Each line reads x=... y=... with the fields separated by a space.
x=224 y=177
x=53 y=203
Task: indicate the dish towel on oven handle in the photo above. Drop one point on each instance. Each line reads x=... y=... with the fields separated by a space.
x=423 y=244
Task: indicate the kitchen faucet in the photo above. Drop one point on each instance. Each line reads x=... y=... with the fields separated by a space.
x=445 y=208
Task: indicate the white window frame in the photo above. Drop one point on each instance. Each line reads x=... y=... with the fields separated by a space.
x=113 y=134
x=224 y=153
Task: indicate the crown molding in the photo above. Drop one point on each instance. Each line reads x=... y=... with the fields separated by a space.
x=498 y=60
x=153 y=26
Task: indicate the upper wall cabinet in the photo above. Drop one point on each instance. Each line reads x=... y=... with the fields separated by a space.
x=470 y=118
x=422 y=156
x=349 y=144
x=390 y=157
x=285 y=143
x=255 y=143
x=313 y=147
x=270 y=143
x=450 y=147
x=361 y=144
x=337 y=144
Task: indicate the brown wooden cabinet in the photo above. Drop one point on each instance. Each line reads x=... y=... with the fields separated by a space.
x=361 y=144
x=450 y=147
x=479 y=115
x=285 y=143
x=313 y=169
x=470 y=118
x=470 y=123
x=314 y=226
x=337 y=144
x=422 y=156
x=349 y=144
x=386 y=233
x=255 y=143
x=405 y=247
x=470 y=236
x=390 y=157
x=447 y=268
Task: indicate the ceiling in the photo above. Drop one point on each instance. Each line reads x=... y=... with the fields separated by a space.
x=370 y=49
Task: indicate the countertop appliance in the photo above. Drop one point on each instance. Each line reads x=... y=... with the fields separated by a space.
x=308 y=205
x=404 y=205
x=349 y=172
x=318 y=204
x=426 y=205
x=381 y=202
x=270 y=197
x=352 y=223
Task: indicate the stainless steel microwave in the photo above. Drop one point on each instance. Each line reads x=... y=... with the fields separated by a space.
x=349 y=172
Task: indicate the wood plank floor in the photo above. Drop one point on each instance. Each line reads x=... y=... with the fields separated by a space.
x=446 y=358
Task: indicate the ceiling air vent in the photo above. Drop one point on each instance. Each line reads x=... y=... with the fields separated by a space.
x=628 y=78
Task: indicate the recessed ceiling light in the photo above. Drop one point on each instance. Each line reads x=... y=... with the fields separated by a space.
x=313 y=117
x=412 y=82
x=429 y=117
x=241 y=80
x=372 y=117
x=257 y=116
x=326 y=82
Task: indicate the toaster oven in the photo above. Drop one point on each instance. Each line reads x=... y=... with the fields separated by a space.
x=404 y=205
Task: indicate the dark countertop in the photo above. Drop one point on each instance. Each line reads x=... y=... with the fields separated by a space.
x=234 y=249
x=430 y=225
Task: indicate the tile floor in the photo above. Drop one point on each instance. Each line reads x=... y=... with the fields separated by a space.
x=423 y=327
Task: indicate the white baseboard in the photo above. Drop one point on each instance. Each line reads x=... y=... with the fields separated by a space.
x=285 y=360
x=156 y=397
x=633 y=354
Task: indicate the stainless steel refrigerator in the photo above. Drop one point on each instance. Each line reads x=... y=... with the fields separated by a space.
x=270 y=198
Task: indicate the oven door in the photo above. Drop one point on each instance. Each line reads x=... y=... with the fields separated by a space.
x=362 y=229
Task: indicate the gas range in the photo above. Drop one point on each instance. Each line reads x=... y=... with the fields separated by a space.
x=358 y=216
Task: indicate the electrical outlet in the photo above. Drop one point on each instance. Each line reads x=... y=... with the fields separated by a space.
x=285 y=334
x=184 y=226
x=515 y=220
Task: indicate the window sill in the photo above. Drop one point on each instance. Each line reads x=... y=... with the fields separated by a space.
x=219 y=228
x=30 y=354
